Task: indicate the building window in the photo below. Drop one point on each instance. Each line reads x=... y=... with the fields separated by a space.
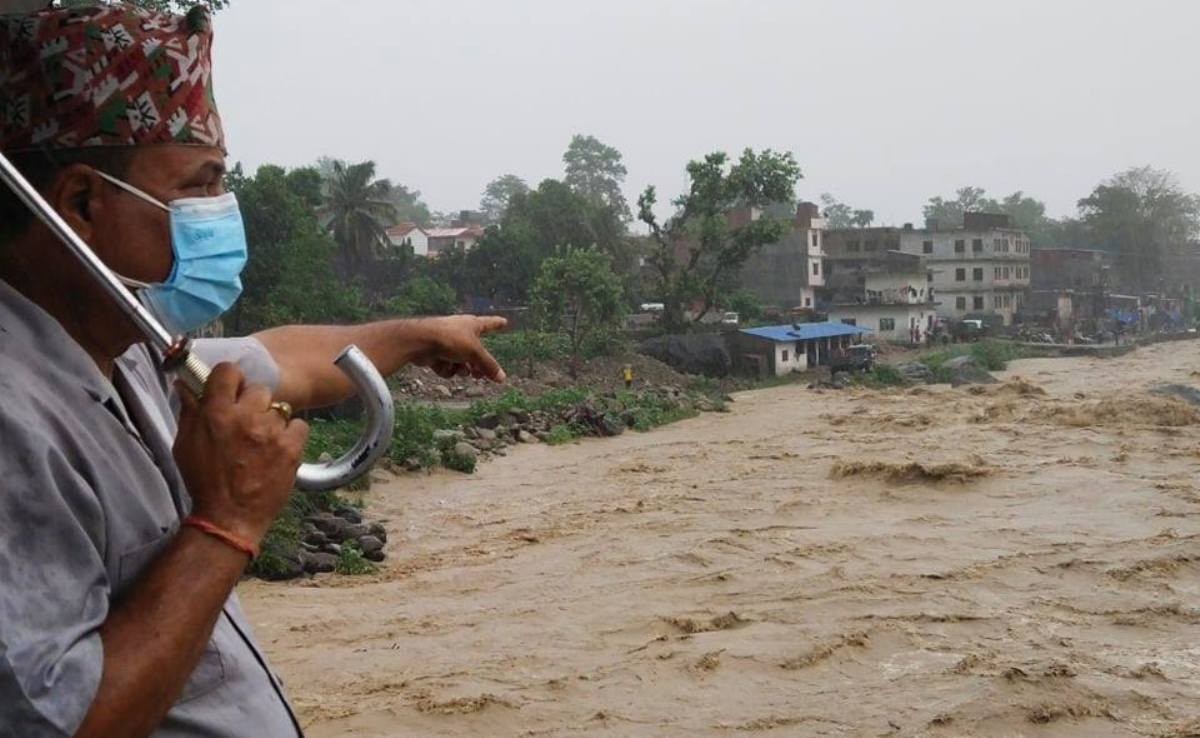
x=960 y=275
x=1005 y=244
x=1008 y=301
x=850 y=321
x=816 y=241
x=927 y=247
x=1006 y=272
x=977 y=275
x=978 y=302
x=928 y=276
x=997 y=302
x=997 y=273
x=816 y=268
x=977 y=245
x=887 y=324
x=808 y=302
x=785 y=356
x=960 y=247
x=960 y=303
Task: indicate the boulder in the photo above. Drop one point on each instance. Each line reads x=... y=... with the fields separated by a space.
x=466 y=450
x=491 y=421
x=375 y=556
x=916 y=372
x=442 y=391
x=335 y=528
x=377 y=530
x=966 y=370
x=524 y=436
x=448 y=435
x=370 y=544
x=691 y=353
x=349 y=513
x=611 y=425
x=487 y=434
x=318 y=563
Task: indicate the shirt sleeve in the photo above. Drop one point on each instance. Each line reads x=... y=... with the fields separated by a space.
x=248 y=353
x=54 y=589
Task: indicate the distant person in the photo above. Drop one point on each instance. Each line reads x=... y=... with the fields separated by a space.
x=627 y=372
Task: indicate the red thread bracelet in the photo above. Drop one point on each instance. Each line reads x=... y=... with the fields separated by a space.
x=216 y=531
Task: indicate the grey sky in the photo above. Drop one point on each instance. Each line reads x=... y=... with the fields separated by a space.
x=883 y=102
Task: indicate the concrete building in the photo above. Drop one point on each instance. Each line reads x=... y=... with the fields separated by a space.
x=794 y=348
x=444 y=239
x=888 y=293
x=982 y=268
x=1074 y=277
x=409 y=235
x=788 y=273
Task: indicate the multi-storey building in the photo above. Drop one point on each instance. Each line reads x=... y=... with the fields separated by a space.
x=786 y=274
x=887 y=293
x=979 y=269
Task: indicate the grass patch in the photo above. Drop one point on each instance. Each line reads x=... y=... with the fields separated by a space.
x=562 y=433
x=991 y=355
x=351 y=561
x=881 y=376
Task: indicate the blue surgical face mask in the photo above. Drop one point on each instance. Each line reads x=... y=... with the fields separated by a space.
x=208 y=241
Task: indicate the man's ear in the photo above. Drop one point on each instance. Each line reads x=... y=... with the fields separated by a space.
x=79 y=195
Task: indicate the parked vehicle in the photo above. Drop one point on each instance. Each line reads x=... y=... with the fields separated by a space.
x=857 y=358
x=731 y=319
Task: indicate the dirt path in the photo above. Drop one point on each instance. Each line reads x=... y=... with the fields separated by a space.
x=1037 y=576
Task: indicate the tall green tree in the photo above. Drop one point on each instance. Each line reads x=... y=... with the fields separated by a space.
x=595 y=171
x=357 y=212
x=837 y=214
x=696 y=253
x=577 y=294
x=408 y=205
x=948 y=213
x=498 y=194
x=862 y=218
x=1141 y=215
x=290 y=276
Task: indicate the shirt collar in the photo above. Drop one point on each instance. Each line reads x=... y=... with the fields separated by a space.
x=33 y=335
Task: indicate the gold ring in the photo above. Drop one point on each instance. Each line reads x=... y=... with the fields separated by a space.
x=283 y=408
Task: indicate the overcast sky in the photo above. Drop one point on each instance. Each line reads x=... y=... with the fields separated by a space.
x=884 y=102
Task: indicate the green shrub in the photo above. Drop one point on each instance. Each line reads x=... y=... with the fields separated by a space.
x=882 y=375
x=352 y=562
x=563 y=433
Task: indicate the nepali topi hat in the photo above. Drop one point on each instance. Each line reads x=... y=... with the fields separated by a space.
x=108 y=75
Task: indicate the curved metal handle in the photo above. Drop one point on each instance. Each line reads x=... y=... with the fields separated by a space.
x=372 y=444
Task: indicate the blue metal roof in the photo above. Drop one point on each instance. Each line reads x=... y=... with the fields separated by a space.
x=804 y=331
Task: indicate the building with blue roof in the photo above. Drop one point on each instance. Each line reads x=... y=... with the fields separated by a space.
x=782 y=349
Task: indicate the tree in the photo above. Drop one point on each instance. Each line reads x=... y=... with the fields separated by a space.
x=697 y=253
x=1140 y=215
x=862 y=218
x=499 y=193
x=837 y=214
x=357 y=211
x=409 y=206
x=578 y=295
x=423 y=296
x=290 y=276
x=949 y=213
x=594 y=170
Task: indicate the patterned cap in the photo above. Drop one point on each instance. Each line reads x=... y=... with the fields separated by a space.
x=111 y=75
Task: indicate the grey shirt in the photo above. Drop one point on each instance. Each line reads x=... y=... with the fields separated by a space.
x=89 y=495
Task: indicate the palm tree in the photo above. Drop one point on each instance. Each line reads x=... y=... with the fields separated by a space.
x=357 y=211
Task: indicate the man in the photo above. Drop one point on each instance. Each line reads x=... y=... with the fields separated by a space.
x=123 y=528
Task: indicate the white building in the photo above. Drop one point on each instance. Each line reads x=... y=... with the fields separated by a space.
x=798 y=347
x=409 y=235
x=980 y=269
x=444 y=239
x=887 y=293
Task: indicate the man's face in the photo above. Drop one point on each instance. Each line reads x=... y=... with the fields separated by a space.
x=133 y=236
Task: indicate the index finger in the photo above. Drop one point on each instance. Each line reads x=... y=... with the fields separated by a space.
x=490 y=324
